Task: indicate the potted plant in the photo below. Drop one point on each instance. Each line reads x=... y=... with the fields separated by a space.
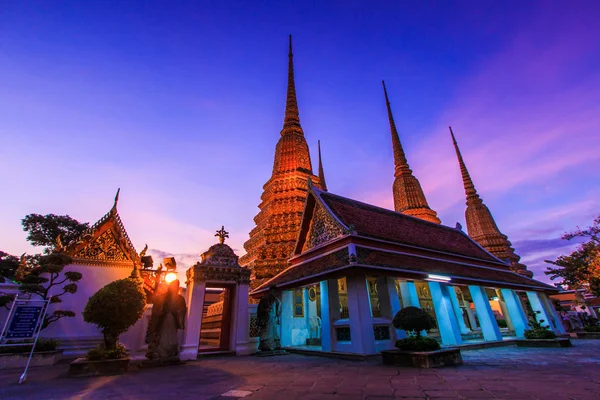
x=591 y=330
x=417 y=350
x=114 y=309
x=539 y=335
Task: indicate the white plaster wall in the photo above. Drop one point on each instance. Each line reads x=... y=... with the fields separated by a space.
x=76 y=335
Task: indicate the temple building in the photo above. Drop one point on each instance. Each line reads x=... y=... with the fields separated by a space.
x=102 y=254
x=481 y=225
x=282 y=202
x=355 y=265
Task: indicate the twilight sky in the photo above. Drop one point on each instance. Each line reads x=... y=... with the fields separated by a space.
x=180 y=105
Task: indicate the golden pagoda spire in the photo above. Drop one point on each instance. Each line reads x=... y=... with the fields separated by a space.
x=278 y=222
x=291 y=123
x=480 y=223
x=321 y=173
x=408 y=195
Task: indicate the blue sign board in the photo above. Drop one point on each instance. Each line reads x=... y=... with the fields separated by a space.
x=24 y=322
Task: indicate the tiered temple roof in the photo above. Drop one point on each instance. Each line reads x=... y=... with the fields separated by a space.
x=278 y=221
x=340 y=234
x=481 y=225
x=105 y=243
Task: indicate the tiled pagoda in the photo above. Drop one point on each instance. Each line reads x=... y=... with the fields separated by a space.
x=282 y=202
x=481 y=225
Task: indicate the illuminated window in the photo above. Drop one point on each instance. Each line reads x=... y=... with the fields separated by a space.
x=343 y=297
x=298 y=303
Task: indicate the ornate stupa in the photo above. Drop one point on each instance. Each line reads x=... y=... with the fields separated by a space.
x=409 y=198
x=282 y=202
x=481 y=225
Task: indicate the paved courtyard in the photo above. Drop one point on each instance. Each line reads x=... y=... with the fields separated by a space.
x=498 y=373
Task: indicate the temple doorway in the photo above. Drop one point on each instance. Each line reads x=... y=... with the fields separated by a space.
x=216 y=319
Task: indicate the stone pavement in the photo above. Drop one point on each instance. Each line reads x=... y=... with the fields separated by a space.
x=498 y=373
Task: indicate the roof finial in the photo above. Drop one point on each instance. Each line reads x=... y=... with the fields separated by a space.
x=222 y=234
x=467 y=182
x=321 y=172
x=290 y=52
x=114 y=207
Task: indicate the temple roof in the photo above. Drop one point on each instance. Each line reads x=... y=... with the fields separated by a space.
x=395 y=264
x=380 y=223
x=104 y=242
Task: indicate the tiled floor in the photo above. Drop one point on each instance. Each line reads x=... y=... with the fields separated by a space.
x=502 y=373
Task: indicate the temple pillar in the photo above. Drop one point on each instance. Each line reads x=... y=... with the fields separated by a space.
x=287 y=314
x=240 y=318
x=515 y=312
x=458 y=311
x=389 y=301
x=326 y=331
x=409 y=294
x=487 y=321
x=557 y=323
x=361 y=323
x=446 y=319
x=195 y=306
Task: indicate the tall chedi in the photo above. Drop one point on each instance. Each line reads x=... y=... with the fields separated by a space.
x=409 y=198
x=481 y=225
x=278 y=222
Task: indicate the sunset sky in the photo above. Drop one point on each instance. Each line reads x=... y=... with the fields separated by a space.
x=180 y=105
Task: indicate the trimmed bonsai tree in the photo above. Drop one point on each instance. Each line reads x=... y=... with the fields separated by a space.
x=538 y=331
x=114 y=309
x=413 y=321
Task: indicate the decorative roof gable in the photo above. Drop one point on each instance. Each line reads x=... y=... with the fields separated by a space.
x=105 y=242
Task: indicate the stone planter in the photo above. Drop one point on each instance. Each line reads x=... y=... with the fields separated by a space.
x=422 y=359
x=588 y=335
x=19 y=360
x=558 y=342
x=83 y=367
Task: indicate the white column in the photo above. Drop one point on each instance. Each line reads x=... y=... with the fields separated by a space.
x=536 y=305
x=446 y=320
x=410 y=297
x=326 y=331
x=458 y=311
x=557 y=323
x=195 y=304
x=361 y=322
x=241 y=321
x=515 y=311
x=287 y=313
x=389 y=301
x=487 y=321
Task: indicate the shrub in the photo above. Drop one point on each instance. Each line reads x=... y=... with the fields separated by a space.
x=114 y=309
x=591 y=328
x=415 y=343
x=502 y=324
x=102 y=353
x=538 y=331
x=41 y=345
x=413 y=320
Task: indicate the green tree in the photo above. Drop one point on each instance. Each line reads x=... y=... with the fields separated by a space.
x=581 y=268
x=8 y=266
x=42 y=230
x=115 y=308
x=42 y=275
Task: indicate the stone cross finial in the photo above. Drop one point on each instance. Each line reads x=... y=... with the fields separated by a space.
x=222 y=234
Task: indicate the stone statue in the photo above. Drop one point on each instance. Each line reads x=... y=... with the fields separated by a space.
x=168 y=316
x=268 y=316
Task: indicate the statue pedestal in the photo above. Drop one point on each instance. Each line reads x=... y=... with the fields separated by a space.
x=271 y=353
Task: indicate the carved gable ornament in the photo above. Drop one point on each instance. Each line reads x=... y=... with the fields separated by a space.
x=104 y=247
x=323 y=228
